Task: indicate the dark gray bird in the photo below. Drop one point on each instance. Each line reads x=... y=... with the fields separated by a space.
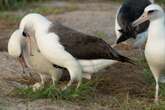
x=129 y=11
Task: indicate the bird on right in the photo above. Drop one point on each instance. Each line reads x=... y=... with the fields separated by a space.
x=128 y=12
x=155 y=46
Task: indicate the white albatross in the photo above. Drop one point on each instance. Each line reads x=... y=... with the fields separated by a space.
x=155 y=46
x=64 y=50
x=17 y=48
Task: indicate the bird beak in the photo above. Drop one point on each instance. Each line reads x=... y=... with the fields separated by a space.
x=23 y=63
x=29 y=43
x=144 y=17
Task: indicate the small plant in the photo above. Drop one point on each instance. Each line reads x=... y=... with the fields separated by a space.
x=54 y=93
x=53 y=10
x=9 y=18
x=101 y=34
x=11 y=4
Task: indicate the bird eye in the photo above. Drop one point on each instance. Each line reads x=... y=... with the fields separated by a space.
x=24 y=34
x=151 y=11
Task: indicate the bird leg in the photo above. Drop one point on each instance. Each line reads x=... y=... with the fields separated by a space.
x=21 y=60
x=79 y=83
x=68 y=85
x=56 y=75
x=157 y=92
x=41 y=84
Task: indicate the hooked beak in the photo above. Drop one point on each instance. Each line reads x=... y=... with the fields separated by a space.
x=144 y=17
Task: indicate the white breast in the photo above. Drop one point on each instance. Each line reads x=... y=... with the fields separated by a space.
x=155 y=47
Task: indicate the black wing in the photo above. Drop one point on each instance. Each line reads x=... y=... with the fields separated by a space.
x=83 y=46
x=130 y=11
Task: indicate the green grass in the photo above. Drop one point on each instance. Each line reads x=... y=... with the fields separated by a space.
x=54 y=93
x=9 y=18
x=101 y=34
x=16 y=4
x=150 y=79
x=53 y=10
x=12 y=18
x=134 y=104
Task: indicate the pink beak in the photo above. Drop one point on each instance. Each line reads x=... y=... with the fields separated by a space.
x=23 y=63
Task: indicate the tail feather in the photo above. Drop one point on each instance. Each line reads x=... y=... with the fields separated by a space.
x=126 y=59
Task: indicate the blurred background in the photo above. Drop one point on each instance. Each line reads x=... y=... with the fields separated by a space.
x=15 y=4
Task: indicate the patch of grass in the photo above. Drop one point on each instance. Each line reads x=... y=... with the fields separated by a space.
x=9 y=18
x=16 y=4
x=160 y=1
x=101 y=34
x=148 y=76
x=54 y=93
x=146 y=70
x=53 y=10
x=134 y=103
x=150 y=79
x=157 y=1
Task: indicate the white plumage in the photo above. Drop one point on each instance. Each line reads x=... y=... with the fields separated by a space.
x=17 y=47
x=53 y=50
x=14 y=47
x=50 y=46
x=155 y=46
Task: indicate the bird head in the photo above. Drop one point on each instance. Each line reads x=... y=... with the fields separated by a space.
x=151 y=13
x=16 y=45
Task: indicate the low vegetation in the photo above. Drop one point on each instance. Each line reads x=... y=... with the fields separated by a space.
x=55 y=93
x=54 y=10
x=15 y=4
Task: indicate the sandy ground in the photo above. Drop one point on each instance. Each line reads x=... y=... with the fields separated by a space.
x=89 y=18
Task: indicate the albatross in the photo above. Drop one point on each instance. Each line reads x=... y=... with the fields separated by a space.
x=155 y=46
x=17 y=48
x=126 y=14
x=64 y=48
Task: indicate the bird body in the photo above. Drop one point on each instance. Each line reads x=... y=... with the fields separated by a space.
x=65 y=53
x=39 y=64
x=155 y=45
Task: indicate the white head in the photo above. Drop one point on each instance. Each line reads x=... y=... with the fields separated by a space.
x=16 y=44
x=32 y=22
x=17 y=47
x=152 y=12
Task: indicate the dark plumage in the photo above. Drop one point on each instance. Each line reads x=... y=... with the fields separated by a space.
x=130 y=11
x=83 y=46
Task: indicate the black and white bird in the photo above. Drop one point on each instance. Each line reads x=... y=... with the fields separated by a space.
x=126 y=14
x=155 y=46
x=17 y=48
x=63 y=46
